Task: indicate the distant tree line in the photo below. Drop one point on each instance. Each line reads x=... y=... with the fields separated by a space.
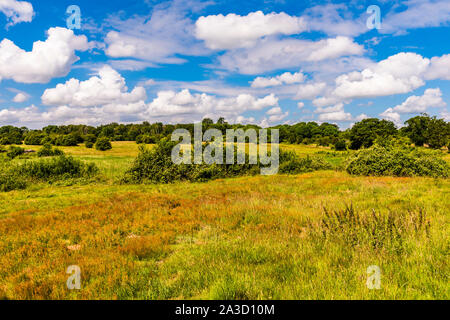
x=419 y=130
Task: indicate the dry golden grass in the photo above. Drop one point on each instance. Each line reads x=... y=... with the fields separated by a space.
x=247 y=238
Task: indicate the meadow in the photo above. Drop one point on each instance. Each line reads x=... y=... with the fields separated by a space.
x=305 y=236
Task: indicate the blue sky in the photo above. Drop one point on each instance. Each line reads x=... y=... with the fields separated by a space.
x=264 y=62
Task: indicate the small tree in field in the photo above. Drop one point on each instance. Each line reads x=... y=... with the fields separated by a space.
x=103 y=144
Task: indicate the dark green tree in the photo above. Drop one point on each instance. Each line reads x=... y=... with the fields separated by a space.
x=364 y=133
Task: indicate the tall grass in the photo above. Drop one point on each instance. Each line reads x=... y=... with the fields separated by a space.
x=245 y=238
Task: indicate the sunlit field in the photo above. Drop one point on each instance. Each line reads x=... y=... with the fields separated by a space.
x=262 y=237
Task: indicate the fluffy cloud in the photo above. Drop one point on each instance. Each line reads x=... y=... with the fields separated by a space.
x=432 y=98
x=340 y=115
x=184 y=105
x=310 y=90
x=400 y=73
x=49 y=59
x=276 y=114
x=20 y=97
x=33 y=117
x=334 y=19
x=417 y=14
x=119 y=106
x=106 y=88
x=153 y=40
x=17 y=11
x=445 y=115
x=390 y=114
x=270 y=54
x=439 y=68
x=336 y=113
x=285 y=78
x=233 y=31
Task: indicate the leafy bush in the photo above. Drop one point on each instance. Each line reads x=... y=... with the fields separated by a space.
x=61 y=167
x=103 y=144
x=34 y=138
x=14 y=152
x=340 y=145
x=10 y=179
x=156 y=166
x=16 y=177
x=89 y=144
x=396 y=161
x=146 y=138
x=68 y=140
x=291 y=163
x=48 y=151
x=90 y=138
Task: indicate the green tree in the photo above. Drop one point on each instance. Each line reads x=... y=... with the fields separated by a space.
x=364 y=133
x=424 y=129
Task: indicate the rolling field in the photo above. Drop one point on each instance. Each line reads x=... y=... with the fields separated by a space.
x=308 y=236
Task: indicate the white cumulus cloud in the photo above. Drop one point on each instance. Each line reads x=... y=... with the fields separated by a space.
x=432 y=98
x=17 y=11
x=270 y=54
x=234 y=31
x=400 y=73
x=285 y=78
x=106 y=88
x=48 y=59
x=20 y=97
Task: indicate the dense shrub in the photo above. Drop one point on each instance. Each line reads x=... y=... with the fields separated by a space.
x=90 y=138
x=16 y=177
x=156 y=166
x=11 y=135
x=61 y=167
x=89 y=144
x=103 y=144
x=34 y=138
x=9 y=178
x=14 y=152
x=68 y=140
x=340 y=145
x=397 y=161
x=291 y=163
x=146 y=138
x=48 y=151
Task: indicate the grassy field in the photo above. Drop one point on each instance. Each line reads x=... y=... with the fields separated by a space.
x=262 y=237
